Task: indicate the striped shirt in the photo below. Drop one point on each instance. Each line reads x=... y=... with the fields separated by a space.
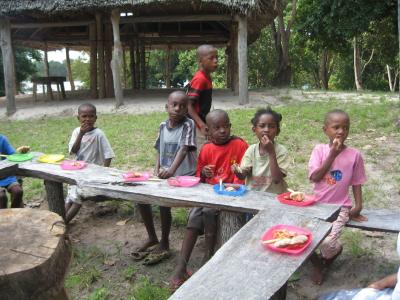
x=170 y=140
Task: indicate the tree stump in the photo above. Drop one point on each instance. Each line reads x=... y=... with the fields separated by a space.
x=55 y=197
x=35 y=254
x=228 y=224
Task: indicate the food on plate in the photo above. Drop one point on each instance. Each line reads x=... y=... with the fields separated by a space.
x=231 y=188
x=134 y=175
x=23 y=149
x=296 y=196
x=285 y=238
x=76 y=164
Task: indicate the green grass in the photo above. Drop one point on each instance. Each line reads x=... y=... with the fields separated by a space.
x=146 y=290
x=352 y=240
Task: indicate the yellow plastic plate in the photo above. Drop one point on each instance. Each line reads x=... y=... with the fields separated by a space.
x=50 y=158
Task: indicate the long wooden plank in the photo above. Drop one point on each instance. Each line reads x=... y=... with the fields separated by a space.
x=176 y=18
x=96 y=180
x=387 y=220
x=7 y=168
x=244 y=269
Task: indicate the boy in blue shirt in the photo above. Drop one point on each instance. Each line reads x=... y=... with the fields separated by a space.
x=9 y=183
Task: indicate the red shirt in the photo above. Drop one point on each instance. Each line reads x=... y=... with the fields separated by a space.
x=222 y=156
x=200 y=88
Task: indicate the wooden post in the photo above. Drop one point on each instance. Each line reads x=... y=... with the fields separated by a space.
x=8 y=65
x=116 y=62
x=242 y=60
x=142 y=66
x=100 y=51
x=47 y=74
x=132 y=65
x=228 y=224
x=55 y=197
x=137 y=65
x=234 y=59
x=69 y=70
x=228 y=75
x=168 y=68
x=107 y=60
x=93 y=61
x=125 y=69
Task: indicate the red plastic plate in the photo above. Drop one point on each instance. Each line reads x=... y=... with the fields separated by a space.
x=269 y=235
x=73 y=164
x=309 y=200
x=128 y=177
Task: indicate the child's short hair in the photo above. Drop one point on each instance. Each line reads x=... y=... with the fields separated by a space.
x=178 y=93
x=335 y=111
x=216 y=112
x=204 y=49
x=86 y=105
x=267 y=111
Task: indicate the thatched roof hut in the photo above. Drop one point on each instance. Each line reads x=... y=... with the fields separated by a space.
x=143 y=24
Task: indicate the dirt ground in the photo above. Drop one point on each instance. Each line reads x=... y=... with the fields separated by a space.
x=365 y=260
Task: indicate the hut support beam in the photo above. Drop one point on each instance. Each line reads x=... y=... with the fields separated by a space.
x=234 y=77
x=116 y=61
x=8 y=64
x=242 y=60
x=93 y=61
x=142 y=66
x=132 y=65
x=100 y=51
x=69 y=70
x=47 y=74
x=107 y=58
x=137 y=65
x=168 y=68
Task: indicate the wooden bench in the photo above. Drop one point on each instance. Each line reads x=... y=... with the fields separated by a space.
x=7 y=168
x=47 y=81
x=387 y=220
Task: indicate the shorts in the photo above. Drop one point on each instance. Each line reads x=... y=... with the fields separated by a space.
x=72 y=195
x=8 y=187
x=198 y=216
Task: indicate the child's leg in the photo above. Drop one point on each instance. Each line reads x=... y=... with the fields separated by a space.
x=16 y=195
x=331 y=247
x=147 y=216
x=210 y=231
x=3 y=198
x=73 y=203
x=166 y=219
x=72 y=211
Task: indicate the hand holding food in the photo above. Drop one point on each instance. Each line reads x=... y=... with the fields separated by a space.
x=295 y=196
x=208 y=171
x=23 y=149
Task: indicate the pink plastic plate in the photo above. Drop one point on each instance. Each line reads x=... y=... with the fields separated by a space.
x=73 y=164
x=308 y=200
x=183 y=181
x=130 y=176
x=297 y=249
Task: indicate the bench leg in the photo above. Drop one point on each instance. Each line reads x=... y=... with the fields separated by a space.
x=55 y=197
x=281 y=293
x=63 y=90
x=58 y=92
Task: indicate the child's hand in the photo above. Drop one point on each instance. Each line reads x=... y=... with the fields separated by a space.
x=336 y=147
x=356 y=216
x=85 y=128
x=208 y=171
x=23 y=149
x=165 y=173
x=235 y=168
x=267 y=144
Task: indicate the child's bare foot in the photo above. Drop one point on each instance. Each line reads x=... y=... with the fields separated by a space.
x=180 y=275
x=321 y=265
x=359 y=218
x=387 y=282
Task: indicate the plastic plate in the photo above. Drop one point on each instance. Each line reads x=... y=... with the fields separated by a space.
x=183 y=181
x=297 y=249
x=308 y=200
x=73 y=164
x=241 y=189
x=129 y=176
x=50 y=158
x=19 y=157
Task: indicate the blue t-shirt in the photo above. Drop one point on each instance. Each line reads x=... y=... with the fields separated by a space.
x=6 y=148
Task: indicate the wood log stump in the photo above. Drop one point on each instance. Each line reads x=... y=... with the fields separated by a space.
x=227 y=225
x=35 y=254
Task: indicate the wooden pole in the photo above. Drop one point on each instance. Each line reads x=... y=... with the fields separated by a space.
x=8 y=64
x=100 y=51
x=142 y=66
x=168 y=68
x=69 y=70
x=132 y=65
x=47 y=74
x=93 y=61
x=228 y=75
x=137 y=65
x=242 y=60
x=116 y=62
x=125 y=69
x=234 y=59
x=107 y=60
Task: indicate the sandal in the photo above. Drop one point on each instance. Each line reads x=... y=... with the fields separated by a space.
x=140 y=254
x=156 y=257
x=176 y=283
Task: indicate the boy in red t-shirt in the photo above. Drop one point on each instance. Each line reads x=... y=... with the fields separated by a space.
x=214 y=163
x=200 y=90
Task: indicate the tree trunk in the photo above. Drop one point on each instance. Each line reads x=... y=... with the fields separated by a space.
x=8 y=65
x=124 y=67
x=55 y=197
x=325 y=68
x=116 y=63
x=69 y=70
x=107 y=60
x=283 y=72
x=168 y=68
x=228 y=224
x=242 y=60
x=389 y=78
x=47 y=74
x=357 y=65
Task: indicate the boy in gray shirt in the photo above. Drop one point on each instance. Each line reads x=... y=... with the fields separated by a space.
x=176 y=147
x=89 y=144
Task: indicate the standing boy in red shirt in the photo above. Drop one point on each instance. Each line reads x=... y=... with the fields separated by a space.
x=200 y=90
x=214 y=163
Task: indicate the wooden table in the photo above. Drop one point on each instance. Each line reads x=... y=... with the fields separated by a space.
x=244 y=269
x=34 y=254
x=7 y=168
x=58 y=80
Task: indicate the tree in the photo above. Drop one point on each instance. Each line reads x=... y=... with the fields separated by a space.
x=81 y=71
